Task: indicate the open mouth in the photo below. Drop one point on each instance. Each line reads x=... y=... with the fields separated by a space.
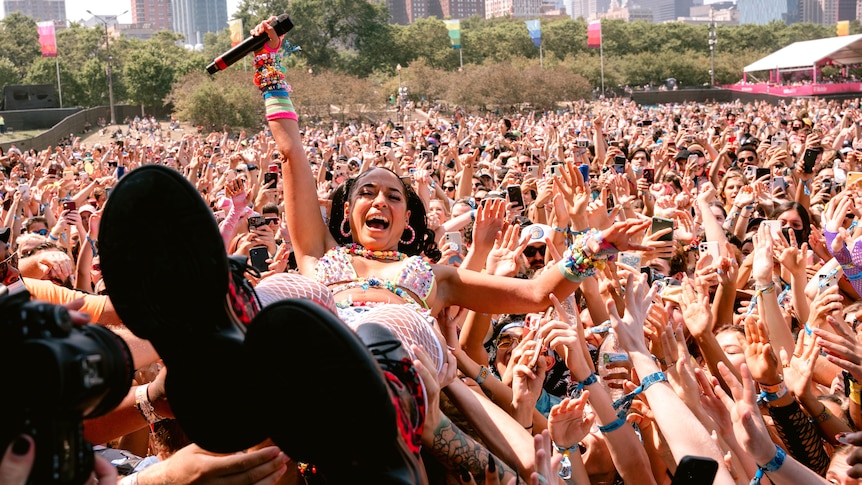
x=377 y=222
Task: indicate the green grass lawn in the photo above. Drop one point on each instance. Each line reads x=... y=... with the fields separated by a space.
x=19 y=135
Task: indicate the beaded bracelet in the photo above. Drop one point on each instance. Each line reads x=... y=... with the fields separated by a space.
x=773 y=465
x=269 y=78
x=578 y=262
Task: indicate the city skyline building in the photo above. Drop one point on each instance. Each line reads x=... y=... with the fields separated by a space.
x=194 y=18
x=40 y=10
x=462 y=9
x=152 y=14
x=762 y=12
x=513 y=8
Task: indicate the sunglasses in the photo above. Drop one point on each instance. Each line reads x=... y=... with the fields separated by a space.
x=478 y=186
x=448 y=187
x=747 y=159
x=526 y=164
x=531 y=251
x=42 y=232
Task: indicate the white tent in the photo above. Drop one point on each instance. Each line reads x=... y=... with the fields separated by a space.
x=844 y=50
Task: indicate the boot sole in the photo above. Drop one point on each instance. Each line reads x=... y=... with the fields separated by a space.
x=338 y=413
x=166 y=272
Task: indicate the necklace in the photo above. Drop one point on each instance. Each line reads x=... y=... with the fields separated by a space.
x=358 y=250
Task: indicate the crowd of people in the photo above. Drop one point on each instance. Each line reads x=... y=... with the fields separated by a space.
x=611 y=293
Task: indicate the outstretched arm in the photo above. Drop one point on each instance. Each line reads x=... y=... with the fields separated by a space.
x=311 y=237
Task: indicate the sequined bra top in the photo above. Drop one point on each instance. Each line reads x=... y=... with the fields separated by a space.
x=416 y=276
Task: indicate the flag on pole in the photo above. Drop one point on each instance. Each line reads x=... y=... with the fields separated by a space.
x=535 y=29
x=454 y=28
x=47 y=39
x=235 y=31
x=844 y=27
x=594 y=34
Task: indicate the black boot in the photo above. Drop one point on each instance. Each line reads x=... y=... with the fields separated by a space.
x=167 y=274
x=329 y=402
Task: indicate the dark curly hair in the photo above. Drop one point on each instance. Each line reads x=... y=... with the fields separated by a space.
x=423 y=243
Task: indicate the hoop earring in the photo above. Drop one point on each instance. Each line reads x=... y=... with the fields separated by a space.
x=412 y=235
x=345 y=232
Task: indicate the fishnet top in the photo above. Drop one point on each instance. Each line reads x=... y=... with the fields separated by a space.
x=851 y=262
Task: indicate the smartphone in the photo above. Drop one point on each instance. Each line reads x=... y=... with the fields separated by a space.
x=774 y=227
x=778 y=183
x=24 y=190
x=826 y=281
x=761 y=172
x=256 y=221
x=660 y=223
x=809 y=158
x=711 y=248
x=270 y=177
x=557 y=169
x=69 y=205
x=853 y=178
x=695 y=470
x=649 y=175
x=750 y=173
x=453 y=241
x=533 y=170
x=631 y=259
x=583 y=143
x=515 y=195
x=258 y=256
x=535 y=153
x=585 y=172
x=427 y=155
x=620 y=164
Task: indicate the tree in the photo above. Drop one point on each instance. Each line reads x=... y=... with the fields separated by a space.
x=20 y=40
x=8 y=72
x=213 y=101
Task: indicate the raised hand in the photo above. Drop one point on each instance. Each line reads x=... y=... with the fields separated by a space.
x=622 y=235
x=748 y=425
x=629 y=327
x=761 y=359
x=489 y=221
x=568 y=422
x=763 y=262
x=841 y=347
x=504 y=259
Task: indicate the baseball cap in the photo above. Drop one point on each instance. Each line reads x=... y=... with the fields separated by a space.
x=536 y=233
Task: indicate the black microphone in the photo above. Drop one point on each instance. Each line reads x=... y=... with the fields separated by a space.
x=281 y=25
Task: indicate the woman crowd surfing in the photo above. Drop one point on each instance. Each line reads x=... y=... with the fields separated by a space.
x=606 y=294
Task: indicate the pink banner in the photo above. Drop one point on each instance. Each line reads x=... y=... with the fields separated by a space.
x=47 y=39
x=594 y=34
x=802 y=90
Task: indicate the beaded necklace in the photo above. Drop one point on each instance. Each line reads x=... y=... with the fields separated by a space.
x=357 y=250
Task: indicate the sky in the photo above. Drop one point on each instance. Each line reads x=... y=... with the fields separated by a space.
x=77 y=9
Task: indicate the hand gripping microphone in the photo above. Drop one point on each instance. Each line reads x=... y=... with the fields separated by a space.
x=281 y=25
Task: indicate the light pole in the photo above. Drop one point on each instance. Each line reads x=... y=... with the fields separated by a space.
x=712 y=42
x=109 y=71
x=400 y=107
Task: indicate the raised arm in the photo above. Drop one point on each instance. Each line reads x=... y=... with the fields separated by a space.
x=311 y=237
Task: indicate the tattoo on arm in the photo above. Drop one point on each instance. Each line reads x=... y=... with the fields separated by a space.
x=457 y=451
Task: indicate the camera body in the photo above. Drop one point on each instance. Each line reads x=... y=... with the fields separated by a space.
x=61 y=375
